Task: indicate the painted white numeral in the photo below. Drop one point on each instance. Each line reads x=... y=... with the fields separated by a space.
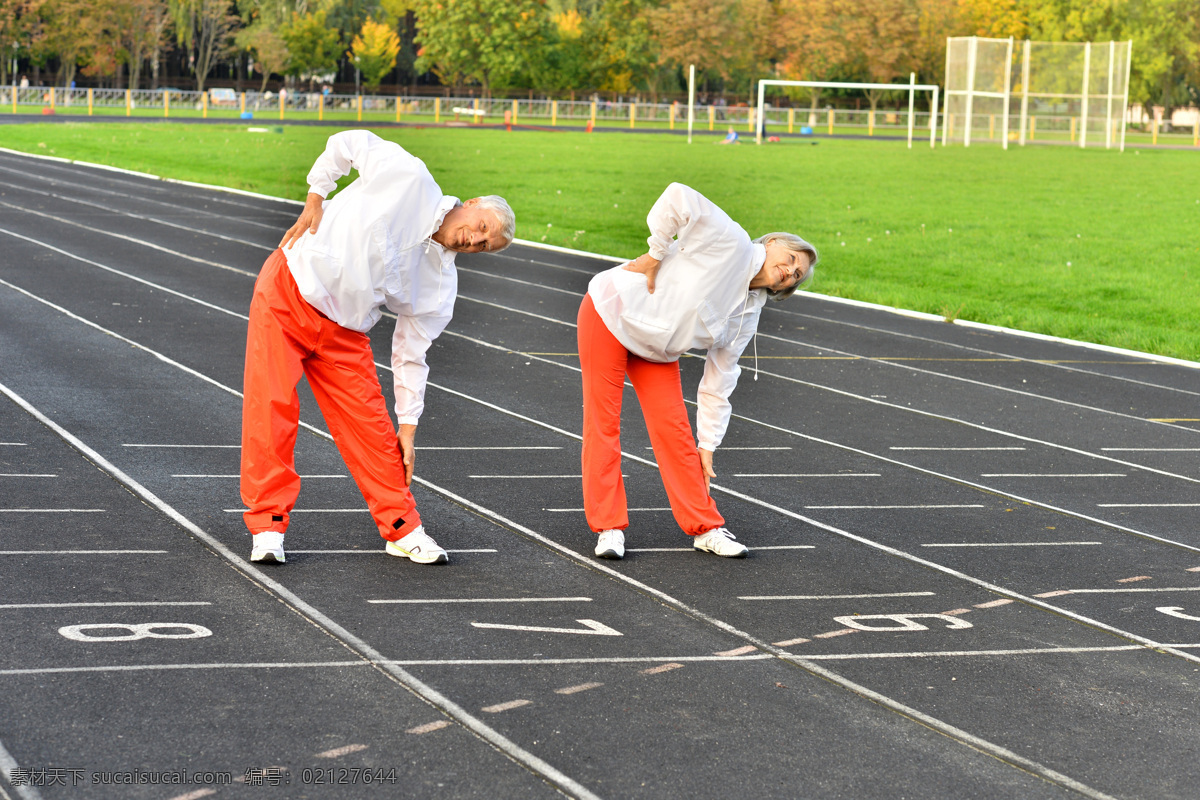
x=904 y=622
x=145 y=630
x=1176 y=611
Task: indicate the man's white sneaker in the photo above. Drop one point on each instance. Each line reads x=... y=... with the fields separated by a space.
x=418 y=546
x=721 y=542
x=268 y=547
x=611 y=544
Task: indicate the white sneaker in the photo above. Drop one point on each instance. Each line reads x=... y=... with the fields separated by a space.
x=268 y=547
x=417 y=546
x=611 y=544
x=721 y=542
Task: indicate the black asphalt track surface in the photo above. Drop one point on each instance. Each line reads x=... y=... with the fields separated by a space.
x=975 y=566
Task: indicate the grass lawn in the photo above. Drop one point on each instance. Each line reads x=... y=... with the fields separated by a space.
x=1091 y=245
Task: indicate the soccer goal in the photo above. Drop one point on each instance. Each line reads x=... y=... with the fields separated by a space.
x=1071 y=92
x=911 y=88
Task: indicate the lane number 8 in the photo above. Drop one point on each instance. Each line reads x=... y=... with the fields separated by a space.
x=145 y=630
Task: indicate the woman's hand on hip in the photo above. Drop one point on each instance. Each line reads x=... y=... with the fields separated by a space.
x=647 y=265
x=706 y=459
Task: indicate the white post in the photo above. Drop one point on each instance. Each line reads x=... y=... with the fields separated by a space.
x=912 y=81
x=691 y=99
x=933 y=119
x=972 y=51
x=1112 y=49
x=1007 y=90
x=758 y=123
x=1125 y=101
x=1083 y=111
x=1024 y=92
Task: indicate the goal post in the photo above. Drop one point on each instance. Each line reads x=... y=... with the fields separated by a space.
x=912 y=87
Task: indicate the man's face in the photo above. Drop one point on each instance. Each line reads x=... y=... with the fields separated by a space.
x=470 y=229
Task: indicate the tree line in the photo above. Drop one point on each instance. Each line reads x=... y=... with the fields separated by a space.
x=559 y=46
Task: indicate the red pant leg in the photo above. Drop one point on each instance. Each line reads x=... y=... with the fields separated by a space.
x=602 y=359
x=661 y=394
x=282 y=330
x=341 y=373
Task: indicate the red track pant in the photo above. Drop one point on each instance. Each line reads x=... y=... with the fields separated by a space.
x=289 y=338
x=605 y=363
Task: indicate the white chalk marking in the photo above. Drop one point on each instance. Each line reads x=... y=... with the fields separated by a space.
x=1147 y=505
x=105 y=605
x=1152 y=449
x=213 y=446
x=1055 y=593
x=1053 y=475
x=971 y=505
x=661 y=668
x=382 y=552
x=307 y=511
x=27 y=475
x=583 y=687
x=426 y=447
x=303 y=477
x=831 y=634
x=492 y=600
x=338 y=752
x=971 y=449
x=994 y=603
x=1008 y=544
x=80 y=552
x=693 y=549
x=1176 y=611
x=430 y=727
x=833 y=596
x=196 y=795
x=790 y=642
x=580 y=510
x=806 y=475
x=723 y=448
x=737 y=651
x=511 y=704
x=593 y=628
x=52 y=510
x=524 y=477
x=1123 y=590
x=1134 y=579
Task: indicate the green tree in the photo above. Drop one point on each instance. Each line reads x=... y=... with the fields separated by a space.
x=204 y=28
x=479 y=40
x=16 y=18
x=269 y=49
x=313 y=47
x=374 y=52
x=623 y=49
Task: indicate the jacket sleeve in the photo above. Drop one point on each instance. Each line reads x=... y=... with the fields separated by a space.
x=677 y=210
x=721 y=372
x=410 y=342
x=347 y=150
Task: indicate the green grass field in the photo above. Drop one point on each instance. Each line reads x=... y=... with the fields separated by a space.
x=1090 y=245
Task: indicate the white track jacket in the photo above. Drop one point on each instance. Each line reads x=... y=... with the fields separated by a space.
x=373 y=249
x=701 y=299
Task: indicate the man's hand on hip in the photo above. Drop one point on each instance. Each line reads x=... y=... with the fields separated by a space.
x=310 y=219
x=408 y=450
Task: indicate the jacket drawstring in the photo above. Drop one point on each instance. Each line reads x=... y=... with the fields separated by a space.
x=741 y=320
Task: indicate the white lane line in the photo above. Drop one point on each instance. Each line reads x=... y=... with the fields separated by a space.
x=490 y=600
x=529 y=477
x=1033 y=651
x=13 y=444
x=580 y=510
x=1147 y=505
x=426 y=447
x=543 y=286
x=967 y=505
x=81 y=552
x=1136 y=589
x=52 y=510
x=806 y=475
x=834 y=596
x=107 y=605
x=302 y=477
x=27 y=475
x=307 y=510
x=509 y=706
x=383 y=552
x=693 y=549
x=582 y=687
x=214 y=446
x=724 y=448
x=971 y=449
x=9 y=765
x=192 y=229
x=1053 y=475
x=345 y=750
x=1152 y=449
x=1009 y=544
x=409 y=681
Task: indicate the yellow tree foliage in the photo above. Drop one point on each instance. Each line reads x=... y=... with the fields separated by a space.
x=374 y=52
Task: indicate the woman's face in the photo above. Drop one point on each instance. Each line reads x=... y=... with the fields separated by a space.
x=783 y=268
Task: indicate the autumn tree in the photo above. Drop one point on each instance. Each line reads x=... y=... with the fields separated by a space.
x=15 y=29
x=479 y=40
x=622 y=46
x=204 y=28
x=313 y=47
x=374 y=52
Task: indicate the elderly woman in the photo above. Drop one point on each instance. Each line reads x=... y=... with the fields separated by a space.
x=702 y=285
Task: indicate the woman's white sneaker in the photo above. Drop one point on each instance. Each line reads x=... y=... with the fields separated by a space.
x=611 y=544
x=721 y=542
x=267 y=547
x=418 y=546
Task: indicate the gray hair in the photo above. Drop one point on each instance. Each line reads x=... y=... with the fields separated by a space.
x=792 y=242
x=499 y=206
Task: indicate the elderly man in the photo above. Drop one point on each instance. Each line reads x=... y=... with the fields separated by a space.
x=387 y=240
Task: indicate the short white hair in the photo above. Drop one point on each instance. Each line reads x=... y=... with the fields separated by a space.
x=792 y=242
x=500 y=207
